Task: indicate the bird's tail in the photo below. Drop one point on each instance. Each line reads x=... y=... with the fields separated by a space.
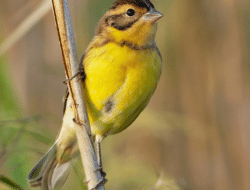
x=48 y=173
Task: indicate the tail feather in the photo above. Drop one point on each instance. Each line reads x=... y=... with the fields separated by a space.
x=48 y=173
x=56 y=175
x=61 y=174
x=36 y=174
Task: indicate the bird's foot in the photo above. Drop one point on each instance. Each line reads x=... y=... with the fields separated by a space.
x=101 y=182
x=80 y=72
x=103 y=174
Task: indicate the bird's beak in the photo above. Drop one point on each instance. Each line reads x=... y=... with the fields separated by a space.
x=152 y=15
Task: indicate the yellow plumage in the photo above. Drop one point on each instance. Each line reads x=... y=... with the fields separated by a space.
x=122 y=75
x=122 y=66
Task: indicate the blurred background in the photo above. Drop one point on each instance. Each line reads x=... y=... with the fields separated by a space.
x=194 y=134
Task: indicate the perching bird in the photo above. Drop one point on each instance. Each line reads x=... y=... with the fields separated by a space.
x=122 y=66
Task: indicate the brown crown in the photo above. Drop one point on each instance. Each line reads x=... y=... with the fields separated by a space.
x=140 y=3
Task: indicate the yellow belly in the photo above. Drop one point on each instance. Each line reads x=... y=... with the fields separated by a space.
x=119 y=83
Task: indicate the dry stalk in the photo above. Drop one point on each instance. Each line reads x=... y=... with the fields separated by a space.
x=71 y=65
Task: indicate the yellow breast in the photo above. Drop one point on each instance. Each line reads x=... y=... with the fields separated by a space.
x=119 y=83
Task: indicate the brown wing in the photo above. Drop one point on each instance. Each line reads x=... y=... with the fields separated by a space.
x=83 y=76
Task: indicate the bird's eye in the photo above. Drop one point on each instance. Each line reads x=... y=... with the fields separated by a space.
x=130 y=12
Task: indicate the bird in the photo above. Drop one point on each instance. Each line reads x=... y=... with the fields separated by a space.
x=122 y=66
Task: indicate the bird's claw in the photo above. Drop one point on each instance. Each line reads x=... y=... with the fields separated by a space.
x=80 y=72
x=103 y=174
x=102 y=181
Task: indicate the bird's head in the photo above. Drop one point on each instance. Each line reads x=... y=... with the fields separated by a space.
x=132 y=21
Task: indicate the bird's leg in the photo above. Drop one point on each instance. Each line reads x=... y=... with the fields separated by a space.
x=80 y=72
x=99 y=157
x=102 y=181
x=99 y=160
